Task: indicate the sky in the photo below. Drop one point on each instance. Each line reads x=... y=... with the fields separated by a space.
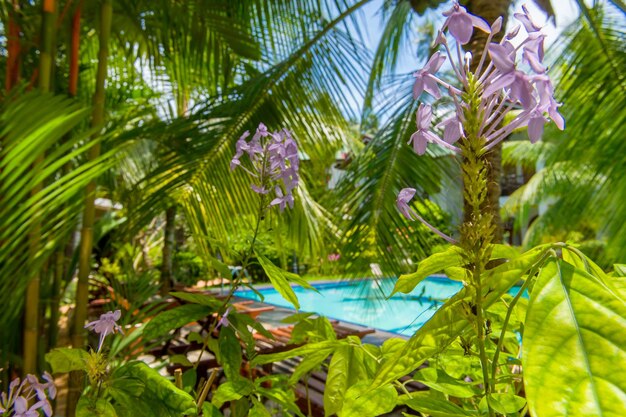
x=566 y=11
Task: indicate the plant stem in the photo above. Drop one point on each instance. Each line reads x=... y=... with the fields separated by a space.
x=235 y=283
x=507 y=317
x=478 y=228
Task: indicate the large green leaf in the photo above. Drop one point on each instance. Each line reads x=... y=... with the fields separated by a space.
x=308 y=349
x=232 y=390
x=63 y=360
x=202 y=299
x=574 y=345
x=439 y=380
x=360 y=402
x=88 y=407
x=346 y=368
x=449 y=321
x=136 y=382
x=280 y=280
x=437 y=262
x=426 y=403
x=230 y=352
x=172 y=319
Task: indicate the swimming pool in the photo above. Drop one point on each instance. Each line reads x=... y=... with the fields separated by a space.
x=362 y=302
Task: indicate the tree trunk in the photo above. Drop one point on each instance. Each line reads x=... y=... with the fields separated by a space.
x=490 y=10
x=169 y=233
x=168 y=249
x=13 y=50
x=31 y=305
x=63 y=254
x=86 y=237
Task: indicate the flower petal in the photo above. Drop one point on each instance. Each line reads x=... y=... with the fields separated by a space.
x=461 y=27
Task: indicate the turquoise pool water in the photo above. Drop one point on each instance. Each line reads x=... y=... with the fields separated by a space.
x=362 y=302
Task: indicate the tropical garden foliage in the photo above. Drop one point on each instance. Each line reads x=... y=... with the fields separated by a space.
x=148 y=145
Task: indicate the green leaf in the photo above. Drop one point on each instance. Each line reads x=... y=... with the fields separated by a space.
x=209 y=410
x=309 y=363
x=499 y=251
x=300 y=351
x=574 y=345
x=222 y=268
x=258 y=409
x=449 y=321
x=286 y=398
x=190 y=377
x=441 y=381
x=230 y=352
x=457 y=273
x=503 y=403
x=620 y=269
x=345 y=370
x=232 y=390
x=296 y=317
x=202 y=299
x=431 y=265
x=169 y=320
x=313 y=330
x=280 y=280
x=359 y=401
x=426 y=403
x=88 y=407
x=63 y=360
x=163 y=397
x=180 y=359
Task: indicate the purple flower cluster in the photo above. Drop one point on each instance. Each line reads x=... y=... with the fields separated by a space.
x=500 y=85
x=503 y=86
x=274 y=163
x=105 y=325
x=21 y=393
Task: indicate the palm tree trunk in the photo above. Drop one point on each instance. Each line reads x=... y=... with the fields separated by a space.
x=31 y=313
x=182 y=105
x=86 y=237
x=490 y=10
x=168 y=249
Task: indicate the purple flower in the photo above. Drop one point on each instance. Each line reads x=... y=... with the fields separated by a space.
x=452 y=130
x=105 y=325
x=423 y=136
x=23 y=392
x=402 y=202
x=535 y=126
x=40 y=388
x=241 y=146
x=526 y=20
x=502 y=56
x=461 y=24
x=259 y=189
x=20 y=408
x=224 y=319
x=501 y=86
x=282 y=200
x=424 y=80
x=273 y=162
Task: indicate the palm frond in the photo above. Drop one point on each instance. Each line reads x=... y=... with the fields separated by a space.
x=31 y=129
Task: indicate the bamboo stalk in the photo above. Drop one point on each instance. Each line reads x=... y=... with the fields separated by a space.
x=31 y=313
x=63 y=254
x=86 y=237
